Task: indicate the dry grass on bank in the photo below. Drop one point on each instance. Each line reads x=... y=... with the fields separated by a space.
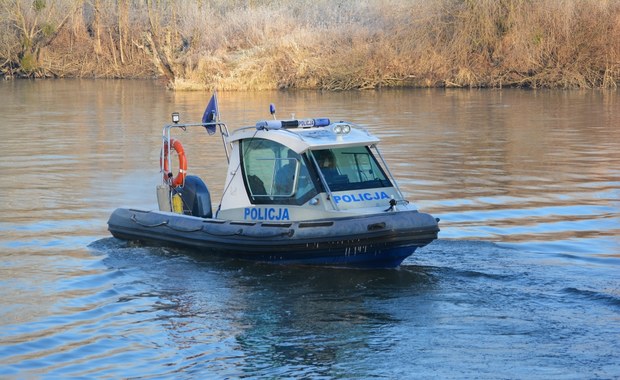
x=336 y=45
x=372 y=44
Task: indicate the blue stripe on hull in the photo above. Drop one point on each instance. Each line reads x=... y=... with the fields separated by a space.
x=387 y=258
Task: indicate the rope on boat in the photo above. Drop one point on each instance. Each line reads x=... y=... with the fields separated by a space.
x=164 y=223
x=135 y=220
x=288 y=233
x=241 y=232
x=237 y=232
x=183 y=229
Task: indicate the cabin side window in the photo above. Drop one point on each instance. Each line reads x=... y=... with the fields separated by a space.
x=274 y=173
x=350 y=168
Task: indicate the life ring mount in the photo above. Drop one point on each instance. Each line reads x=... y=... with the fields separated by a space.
x=180 y=177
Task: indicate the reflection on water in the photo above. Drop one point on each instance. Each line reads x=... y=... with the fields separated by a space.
x=527 y=185
x=508 y=166
x=515 y=166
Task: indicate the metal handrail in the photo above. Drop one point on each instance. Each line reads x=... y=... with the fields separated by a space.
x=166 y=138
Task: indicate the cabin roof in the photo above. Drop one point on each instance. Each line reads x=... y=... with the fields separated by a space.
x=303 y=139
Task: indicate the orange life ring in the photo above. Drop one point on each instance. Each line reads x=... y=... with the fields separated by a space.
x=180 y=178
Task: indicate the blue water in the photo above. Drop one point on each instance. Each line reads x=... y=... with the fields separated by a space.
x=523 y=282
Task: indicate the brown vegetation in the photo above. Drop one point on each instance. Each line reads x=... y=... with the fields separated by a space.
x=326 y=44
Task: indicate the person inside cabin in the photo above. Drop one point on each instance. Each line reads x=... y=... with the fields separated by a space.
x=327 y=164
x=285 y=178
x=257 y=188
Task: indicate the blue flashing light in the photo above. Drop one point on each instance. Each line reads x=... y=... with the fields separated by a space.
x=321 y=122
x=309 y=123
x=272 y=109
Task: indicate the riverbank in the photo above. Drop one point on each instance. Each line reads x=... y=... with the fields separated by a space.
x=323 y=44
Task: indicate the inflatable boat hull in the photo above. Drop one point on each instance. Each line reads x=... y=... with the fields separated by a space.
x=374 y=241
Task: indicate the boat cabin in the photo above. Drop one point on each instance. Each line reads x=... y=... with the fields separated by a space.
x=293 y=170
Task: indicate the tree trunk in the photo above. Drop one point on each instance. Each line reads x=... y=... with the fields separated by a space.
x=157 y=51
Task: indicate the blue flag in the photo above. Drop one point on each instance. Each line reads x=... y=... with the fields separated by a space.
x=211 y=114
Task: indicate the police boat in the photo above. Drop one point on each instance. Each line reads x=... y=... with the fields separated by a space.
x=302 y=192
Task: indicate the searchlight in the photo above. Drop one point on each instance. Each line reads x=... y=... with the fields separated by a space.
x=341 y=129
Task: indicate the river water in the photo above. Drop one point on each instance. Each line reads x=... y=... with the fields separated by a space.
x=524 y=281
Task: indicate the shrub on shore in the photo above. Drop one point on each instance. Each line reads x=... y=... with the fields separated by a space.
x=324 y=44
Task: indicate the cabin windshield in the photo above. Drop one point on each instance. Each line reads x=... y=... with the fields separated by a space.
x=350 y=168
x=275 y=174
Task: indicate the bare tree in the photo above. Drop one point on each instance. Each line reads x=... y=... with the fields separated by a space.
x=35 y=24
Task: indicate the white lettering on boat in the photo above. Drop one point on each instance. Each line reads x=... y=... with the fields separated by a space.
x=271 y=213
x=361 y=197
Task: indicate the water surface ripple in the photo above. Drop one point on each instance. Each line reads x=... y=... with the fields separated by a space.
x=523 y=282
